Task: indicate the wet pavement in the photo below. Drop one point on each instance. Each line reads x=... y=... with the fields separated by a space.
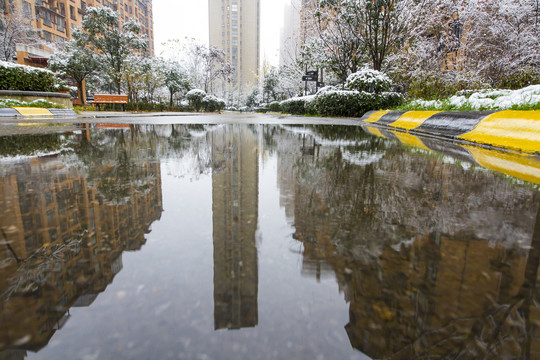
x=256 y=237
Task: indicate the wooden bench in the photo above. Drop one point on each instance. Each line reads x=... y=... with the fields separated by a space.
x=110 y=99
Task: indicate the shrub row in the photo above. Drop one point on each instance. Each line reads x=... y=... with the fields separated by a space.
x=26 y=78
x=198 y=99
x=347 y=103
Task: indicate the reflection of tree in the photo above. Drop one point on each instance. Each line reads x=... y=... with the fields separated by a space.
x=30 y=144
x=120 y=159
x=66 y=221
x=430 y=265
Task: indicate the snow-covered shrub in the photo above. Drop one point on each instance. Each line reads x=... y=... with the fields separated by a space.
x=526 y=98
x=296 y=105
x=274 y=106
x=195 y=98
x=368 y=80
x=352 y=103
x=212 y=103
x=27 y=78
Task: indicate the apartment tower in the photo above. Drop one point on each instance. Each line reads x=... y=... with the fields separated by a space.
x=235 y=28
x=56 y=20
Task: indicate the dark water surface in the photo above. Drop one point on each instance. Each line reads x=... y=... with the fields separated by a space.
x=265 y=242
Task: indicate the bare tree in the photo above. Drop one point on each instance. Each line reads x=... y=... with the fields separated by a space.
x=15 y=29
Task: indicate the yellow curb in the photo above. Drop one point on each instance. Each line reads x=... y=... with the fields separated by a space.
x=515 y=130
x=374 y=131
x=376 y=116
x=411 y=140
x=412 y=119
x=524 y=167
x=33 y=111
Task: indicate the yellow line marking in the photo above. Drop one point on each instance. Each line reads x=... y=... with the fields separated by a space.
x=516 y=130
x=412 y=119
x=411 y=140
x=524 y=167
x=33 y=111
x=376 y=116
x=374 y=131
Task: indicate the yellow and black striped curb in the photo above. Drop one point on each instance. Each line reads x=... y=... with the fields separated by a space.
x=522 y=166
x=36 y=112
x=511 y=130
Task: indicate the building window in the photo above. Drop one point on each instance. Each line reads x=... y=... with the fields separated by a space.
x=72 y=13
x=27 y=9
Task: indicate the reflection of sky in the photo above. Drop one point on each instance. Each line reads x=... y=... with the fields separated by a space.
x=161 y=304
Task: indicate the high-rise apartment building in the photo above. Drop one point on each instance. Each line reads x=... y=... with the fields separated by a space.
x=56 y=20
x=235 y=28
x=298 y=28
x=235 y=204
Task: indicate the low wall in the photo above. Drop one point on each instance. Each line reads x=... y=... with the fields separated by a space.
x=512 y=130
x=29 y=96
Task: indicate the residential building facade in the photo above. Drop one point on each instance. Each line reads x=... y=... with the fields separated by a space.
x=235 y=29
x=57 y=19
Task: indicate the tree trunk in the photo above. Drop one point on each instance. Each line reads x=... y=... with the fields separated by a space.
x=80 y=94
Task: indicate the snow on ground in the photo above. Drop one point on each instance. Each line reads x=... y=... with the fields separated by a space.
x=489 y=99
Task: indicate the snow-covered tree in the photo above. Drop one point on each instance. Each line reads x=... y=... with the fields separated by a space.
x=112 y=41
x=208 y=67
x=15 y=28
x=503 y=40
x=175 y=79
x=76 y=61
x=353 y=33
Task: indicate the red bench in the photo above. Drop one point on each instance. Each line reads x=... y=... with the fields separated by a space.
x=110 y=99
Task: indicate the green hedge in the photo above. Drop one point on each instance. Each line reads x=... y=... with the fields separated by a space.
x=274 y=106
x=26 y=78
x=213 y=104
x=341 y=103
x=297 y=105
x=354 y=103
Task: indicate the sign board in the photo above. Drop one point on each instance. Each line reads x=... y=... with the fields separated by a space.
x=312 y=73
x=310 y=78
x=320 y=84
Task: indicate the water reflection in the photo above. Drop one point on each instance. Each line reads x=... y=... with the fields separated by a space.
x=432 y=267
x=435 y=256
x=235 y=201
x=64 y=226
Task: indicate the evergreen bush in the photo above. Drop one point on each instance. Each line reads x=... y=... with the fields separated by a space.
x=274 y=106
x=368 y=80
x=195 y=98
x=296 y=105
x=353 y=103
x=212 y=103
x=27 y=78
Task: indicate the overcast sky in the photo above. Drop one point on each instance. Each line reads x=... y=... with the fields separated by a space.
x=177 y=19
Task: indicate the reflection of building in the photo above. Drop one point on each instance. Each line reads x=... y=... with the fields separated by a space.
x=432 y=267
x=56 y=20
x=63 y=243
x=235 y=29
x=235 y=181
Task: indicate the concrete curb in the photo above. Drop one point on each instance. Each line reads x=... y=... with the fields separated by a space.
x=510 y=130
x=29 y=112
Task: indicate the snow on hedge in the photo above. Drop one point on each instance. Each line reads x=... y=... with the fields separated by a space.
x=488 y=99
x=369 y=80
x=25 y=68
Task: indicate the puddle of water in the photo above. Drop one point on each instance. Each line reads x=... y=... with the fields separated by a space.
x=265 y=242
